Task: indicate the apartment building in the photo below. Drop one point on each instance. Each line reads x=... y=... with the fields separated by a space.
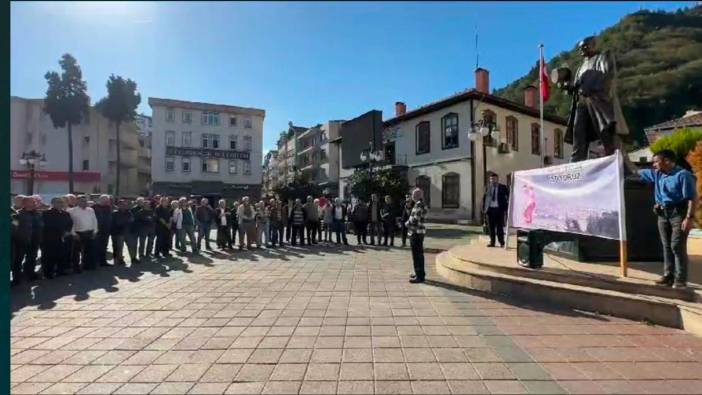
x=317 y=159
x=144 y=125
x=206 y=149
x=94 y=152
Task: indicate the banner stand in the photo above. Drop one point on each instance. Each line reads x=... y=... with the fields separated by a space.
x=623 y=247
x=509 y=213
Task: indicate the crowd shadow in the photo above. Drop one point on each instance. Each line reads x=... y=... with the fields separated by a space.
x=44 y=294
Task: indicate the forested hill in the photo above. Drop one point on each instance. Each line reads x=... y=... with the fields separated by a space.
x=659 y=60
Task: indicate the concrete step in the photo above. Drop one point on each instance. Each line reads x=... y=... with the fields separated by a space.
x=671 y=312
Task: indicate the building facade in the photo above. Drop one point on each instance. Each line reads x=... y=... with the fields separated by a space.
x=144 y=125
x=206 y=149
x=317 y=159
x=433 y=142
x=270 y=172
x=94 y=152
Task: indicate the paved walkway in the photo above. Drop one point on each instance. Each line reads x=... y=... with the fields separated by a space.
x=322 y=321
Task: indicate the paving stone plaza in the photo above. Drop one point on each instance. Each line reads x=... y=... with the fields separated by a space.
x=322 y=321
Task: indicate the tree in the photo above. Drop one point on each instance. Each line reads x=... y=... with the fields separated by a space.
x=119 y=106
x=384 y=182
x=300 y=188
x=67 y=102
x=681 y=142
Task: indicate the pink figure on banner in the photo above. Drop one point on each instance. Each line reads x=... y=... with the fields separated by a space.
x=528 y=214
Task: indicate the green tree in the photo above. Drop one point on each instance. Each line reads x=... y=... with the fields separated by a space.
x=384 y=182
x=300 y=188
x=119 y=106
x=681 y=142
x=67 y=102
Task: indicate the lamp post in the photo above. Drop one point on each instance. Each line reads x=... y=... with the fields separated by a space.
x=32 y=160
x=483 y=128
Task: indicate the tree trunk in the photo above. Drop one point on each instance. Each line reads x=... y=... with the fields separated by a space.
x=119 y=161
x=70 y=158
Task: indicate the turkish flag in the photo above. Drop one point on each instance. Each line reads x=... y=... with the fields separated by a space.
x=544 y=80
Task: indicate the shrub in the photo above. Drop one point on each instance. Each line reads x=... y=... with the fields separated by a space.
x=681 y=142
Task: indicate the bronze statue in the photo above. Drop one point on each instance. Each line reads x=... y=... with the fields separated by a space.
x=595 y=112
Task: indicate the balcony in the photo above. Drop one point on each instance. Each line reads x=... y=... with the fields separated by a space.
x=128 y=159
x=309 y=148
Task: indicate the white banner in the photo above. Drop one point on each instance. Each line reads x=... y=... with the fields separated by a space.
x=584 y=198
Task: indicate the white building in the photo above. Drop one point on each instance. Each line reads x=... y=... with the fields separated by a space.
x=317 y=158
x=206 y=149
x=432 y=141
x=94 y=152
x=144 y=125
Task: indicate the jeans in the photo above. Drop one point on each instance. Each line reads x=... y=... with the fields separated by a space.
x=339 y=228
x=417 y=244
x=263 y=229
x=375 y=230
x=204 y=232
x=188 y=230
x=674 y=241
x=275 y=233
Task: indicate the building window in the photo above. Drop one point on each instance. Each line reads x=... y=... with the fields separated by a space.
x=86 y=165
x=247 y=168
x=232 y=121
x=170 y=115
x=450 y=190
x=512 y=128
x=248 y=143
x=558 y=143
x=86 y=139
x=449 y=127
x=215 y=140
x=205 y=140
x=424 y=183
x=423 y=138
x=535 y=140
x=247 y=123
x=210 y=165
x=232 y=142
x=187 y=139
x=170 y=138
x=170 y=163
x=210 y=118
x=187 y=117
x=232 y=166
x=185 y=163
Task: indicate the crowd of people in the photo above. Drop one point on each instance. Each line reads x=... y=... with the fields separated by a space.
x=73 y=234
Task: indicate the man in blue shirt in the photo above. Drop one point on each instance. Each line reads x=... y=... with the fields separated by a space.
x=675 y=206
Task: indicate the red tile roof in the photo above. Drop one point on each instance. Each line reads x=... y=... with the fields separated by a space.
x=688 y=121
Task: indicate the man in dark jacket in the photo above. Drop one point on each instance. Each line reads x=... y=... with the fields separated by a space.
x=122 y=220
x=145 y=227
x=163 y=228
x=359 y=215
x=29 y=228
x=103 y=213
x=57 y=229
x=495 y=202
x=205 y=215
x=387 y=215
x=376 y=223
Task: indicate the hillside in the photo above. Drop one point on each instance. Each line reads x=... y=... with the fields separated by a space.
x=659 y=59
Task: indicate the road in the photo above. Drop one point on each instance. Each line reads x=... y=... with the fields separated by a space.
x=322 y=320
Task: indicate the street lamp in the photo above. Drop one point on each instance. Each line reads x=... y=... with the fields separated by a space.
x=32 y=160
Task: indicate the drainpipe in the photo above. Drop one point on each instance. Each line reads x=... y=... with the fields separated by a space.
x=472 y=169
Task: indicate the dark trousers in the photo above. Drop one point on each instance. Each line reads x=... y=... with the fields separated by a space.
x=388 y=232
x=361 y=230
x=585 y=131
x=235 y=229
x=340 y=229
x=86 y=245
x=297 y=231
x=674 y=242
x=376 y=229
x=71 y=258
x=223 y=237
x=404 y=234
x=101 y=242
x=52 y=255
x=146 y=243
x=25 y=252
x=203 y=231
x=118 y=240
x=163 y=240
x=288 y=231
x=312 y=231
x=496 y=225
x=417 y=244
x=275 y=233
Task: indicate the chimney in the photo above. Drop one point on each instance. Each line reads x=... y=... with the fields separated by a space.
x=482 y=80
x=531 y=97
x=400 y=108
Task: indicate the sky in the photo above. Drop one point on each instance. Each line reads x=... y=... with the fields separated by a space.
x=305 y=62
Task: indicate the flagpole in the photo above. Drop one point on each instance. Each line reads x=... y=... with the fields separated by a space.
x=542 y=134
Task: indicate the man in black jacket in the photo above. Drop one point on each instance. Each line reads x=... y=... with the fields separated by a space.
x=205 y=215
x=495 y=202
x=56 y=230
x=122 y=220
x=103 y=213
x=29 y=228
x=163 y=215
x=375 y=219
x=144 y=227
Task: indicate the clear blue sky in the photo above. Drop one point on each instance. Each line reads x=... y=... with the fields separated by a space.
x=301 y=62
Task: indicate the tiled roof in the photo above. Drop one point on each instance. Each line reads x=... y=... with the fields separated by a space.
x=155 y=101
x=688 y=121
x=475 y=95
